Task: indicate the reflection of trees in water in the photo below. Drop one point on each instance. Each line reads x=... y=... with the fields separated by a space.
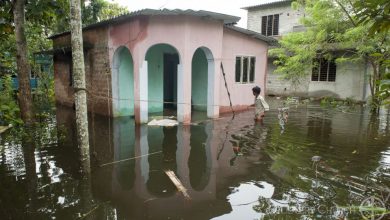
x=247 y=140
x=19 y=193
x=296 y=184
x=319 y=128
x=249 y=137
x=13 y=195
x=34 y=194
x=54 y=184
x=28 y=146
x=327 y=199
x=199 y=173
x=165 y=139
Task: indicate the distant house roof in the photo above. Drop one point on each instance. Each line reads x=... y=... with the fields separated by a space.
x=268 y=5
x=227 y=19
x=256 y=35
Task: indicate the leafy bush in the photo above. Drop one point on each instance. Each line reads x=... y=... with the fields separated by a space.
x=9 y=109
x=44 y=94
x=342 y=104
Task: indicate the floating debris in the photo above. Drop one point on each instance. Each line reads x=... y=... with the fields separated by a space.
x=163 y=122
x=316 y=158
x=177 y=183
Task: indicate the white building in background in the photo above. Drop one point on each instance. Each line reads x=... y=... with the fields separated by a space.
x=346 y=80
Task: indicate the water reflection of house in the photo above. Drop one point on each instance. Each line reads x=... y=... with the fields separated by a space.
x=341 y=80
x=141 y=185
x=138 y=61
x=139 y=189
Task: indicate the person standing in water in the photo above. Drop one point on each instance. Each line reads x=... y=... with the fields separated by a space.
x=261 y=106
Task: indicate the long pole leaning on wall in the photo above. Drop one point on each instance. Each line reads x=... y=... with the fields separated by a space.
x=227 y=89
x=222 y=147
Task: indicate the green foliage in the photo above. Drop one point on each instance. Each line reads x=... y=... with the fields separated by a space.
x=9 y=109
x=340 y=104
x=294 y=54
x=6 y=27
x=7 y=55
x=332 y=26
x=44 y=97
x=291 y=101
x=43 y=18
x=328 y=101
x=99 y=10
x=376 y=12
x=112 y=10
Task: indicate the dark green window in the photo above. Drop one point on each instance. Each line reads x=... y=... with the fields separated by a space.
x=245 y=69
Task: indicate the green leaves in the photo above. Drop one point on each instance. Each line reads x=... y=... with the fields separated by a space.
x=9 y=110
x=375 y=12
x=99 y=10
x=332 y=31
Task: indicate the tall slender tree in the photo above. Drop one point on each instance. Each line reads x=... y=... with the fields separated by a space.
x=23 y=66
x=79 y=77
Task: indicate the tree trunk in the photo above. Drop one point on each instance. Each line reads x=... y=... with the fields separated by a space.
x=23 y=66
x=375 y=89
x=80 y=95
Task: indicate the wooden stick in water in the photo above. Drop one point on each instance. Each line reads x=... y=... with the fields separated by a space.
x=177 y=183
x=132 y=158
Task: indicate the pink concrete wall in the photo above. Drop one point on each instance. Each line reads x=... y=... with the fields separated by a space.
x=238 y=44
x=186 y=34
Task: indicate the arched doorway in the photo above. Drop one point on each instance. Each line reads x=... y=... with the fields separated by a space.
x=163 y=61
x=122 y=83
x=202 y=74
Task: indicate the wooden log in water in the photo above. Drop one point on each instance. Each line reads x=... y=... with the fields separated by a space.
x=177 y=183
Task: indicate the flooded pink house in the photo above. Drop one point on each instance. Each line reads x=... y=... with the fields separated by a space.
x=155 y=61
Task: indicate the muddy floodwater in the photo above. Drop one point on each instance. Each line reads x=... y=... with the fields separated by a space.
x=325 y=164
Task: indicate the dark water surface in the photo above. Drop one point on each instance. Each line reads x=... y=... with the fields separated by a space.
x=232 y=169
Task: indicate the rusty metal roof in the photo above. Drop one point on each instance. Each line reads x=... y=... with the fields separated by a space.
x=268 y=4
x=227 y=19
